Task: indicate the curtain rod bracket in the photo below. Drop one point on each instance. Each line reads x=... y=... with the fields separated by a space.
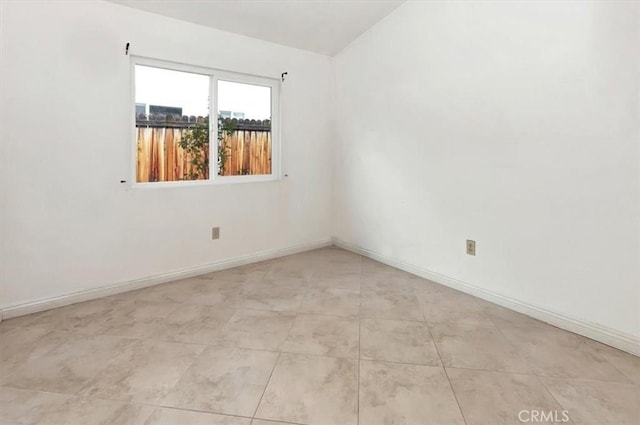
x=126 y=49
x=283 y=74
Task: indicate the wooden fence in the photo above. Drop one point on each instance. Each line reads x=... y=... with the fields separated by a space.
x=247 y=152
x=247 y=149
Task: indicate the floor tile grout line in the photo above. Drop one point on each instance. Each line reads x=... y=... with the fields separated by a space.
x=186 y=370
x=132 y=402
x=13 y=387
x=338 y=316
x=573 y=378
x=235 y=309
x=364 y=359
x=186 y=409
x=511 y=343
x=266 y=385
x=55 y=347
x=178 y=303
x=532 y=371
x=253 y=348
x=502 y=372
x=274 y=421
x=455 y=396
x=553 y=396
x=217 y=344
x=540 y=376
x=272 y=370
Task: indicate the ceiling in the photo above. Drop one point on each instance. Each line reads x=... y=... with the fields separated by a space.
x=322 y=26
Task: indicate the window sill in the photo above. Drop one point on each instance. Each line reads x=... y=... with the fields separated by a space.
x=220 y=181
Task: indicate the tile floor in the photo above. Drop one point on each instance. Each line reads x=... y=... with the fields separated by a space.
x=320 y=338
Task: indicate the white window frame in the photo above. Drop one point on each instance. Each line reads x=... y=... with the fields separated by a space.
x=214 y=75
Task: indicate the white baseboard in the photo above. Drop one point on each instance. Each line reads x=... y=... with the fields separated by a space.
x=608 y=336
x=63 y=300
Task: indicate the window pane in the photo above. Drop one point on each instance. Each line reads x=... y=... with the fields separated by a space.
x=244 y=129
x=172 y=130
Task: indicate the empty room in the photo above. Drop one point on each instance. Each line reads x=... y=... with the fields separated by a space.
x=319 y=212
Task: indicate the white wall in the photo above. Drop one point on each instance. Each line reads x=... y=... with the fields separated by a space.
x=68 y=224
x=512 y=123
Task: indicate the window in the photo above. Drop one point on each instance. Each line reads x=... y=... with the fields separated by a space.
x=177 y=142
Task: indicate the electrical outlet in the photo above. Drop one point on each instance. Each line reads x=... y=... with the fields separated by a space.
x=471 y=247
x=215 y=233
